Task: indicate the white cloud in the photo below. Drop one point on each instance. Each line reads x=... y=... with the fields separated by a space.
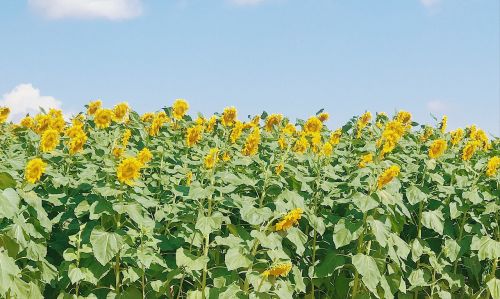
x=437 y=106
x=87 y=9
x=430 y=4
x=24 y=99
x=246 y=2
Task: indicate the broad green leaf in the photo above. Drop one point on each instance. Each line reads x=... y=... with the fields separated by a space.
x=416 y=279
x=207 y=225
x=105 y=245
x=367 y=267
x=6 y=181
x=364 y=202
x=255 y=216
x=9 y=203
x=433 y=220
x=298 y=238
x=341 y=235
x=451 y=249
x=494 y=287
x=487 y=247
x=190 y=262
x=415 y=195
x=236 y=258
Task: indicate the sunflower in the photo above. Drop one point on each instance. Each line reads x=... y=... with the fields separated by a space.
x=144 y=156
x=313 y=125
x=289 y=219
x=193 y=135
x=273 y=120
x=27 y=122
x=103 y=117
x=128 y=170
x=229 y=116
x=50 y=140
x=437 y=148
x=4 y=114
x=120 y=112
x=179 y=108
x=251 y=146
x=365 y=159
x=212 y=158
x=281 y=269
x=492 y=167
x=323 y=116
x=34 y=170
x=93 y=107
x=387 y=176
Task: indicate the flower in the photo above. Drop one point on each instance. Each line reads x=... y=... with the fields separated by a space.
x=193 y=135
x=480 y=137
x=120 y=112
x=289 y=129
x=211 y=123
x=74 y=130
x=76 y=143
x=126 y=137
x=128 y=170
x=289 y=219
x=147 y=117
x=189 y=178
x=493 y=165
x=323 y=116
x=42 y=123
x=443 y=124
x=34 y=170
x=4 y=114
x=229 y=116
x=387 y=176
x=103 y=117
x=456 y=136
x=392 y=133
x=365 y=159
x=49 y=141
x=226 y=157
x=363 y=122
x=282 y=142
x=327 y=149
x=426 y=134
x=437 y=148
x=251 y=146
x=272 y=120
x=404 y=117
x=179 y=108
x=281 y=269
x=279 y=168
x=335 y=137
x=212 y=158
x=144 y=156
x=93 y=107
x=236 y=132
x=469 y=150
x=313 y=125
x=300 y=145
x=117 y=152
x=27 y=122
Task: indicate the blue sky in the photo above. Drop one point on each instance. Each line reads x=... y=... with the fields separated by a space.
x=288 y=56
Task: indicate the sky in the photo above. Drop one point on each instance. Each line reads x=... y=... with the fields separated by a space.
x=429 y=57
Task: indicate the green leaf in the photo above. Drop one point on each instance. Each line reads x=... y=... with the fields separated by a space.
x=416 y=279
x=487 y=247
x=298 y=238
x=415 y=195
x=341 y=235
x=207 y=225
x=451 y=249
x=364 y=202
x=75 y=274
x=255 y=216
x=9 y=203
x=6 y=181
x=433 y=220
x=494 y=287
x=367 y=267
x=236 y=258
x=190 y=262
x=105 y=245
x=329 y=264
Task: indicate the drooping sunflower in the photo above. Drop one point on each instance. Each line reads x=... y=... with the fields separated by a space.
x=289 y=219
x=193 y=135
x=281 y=269
x=300 y=145
x=251 y=146
x=34 y=170
x=492 y=166
x=76 y=143
x=273 y=120
x=120 y=112
x=144 y=156
x=27 y=122
x=365 y=159
x=387 y=176
x=323 y=116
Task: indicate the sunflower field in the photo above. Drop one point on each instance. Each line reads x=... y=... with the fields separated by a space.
x=113 y=204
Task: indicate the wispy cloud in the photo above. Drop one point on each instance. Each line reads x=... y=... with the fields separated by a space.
x=26 y=99
x=437 y=106
x=246 y=2
x=88 y=9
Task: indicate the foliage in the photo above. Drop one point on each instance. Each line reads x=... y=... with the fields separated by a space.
x=233 y=211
